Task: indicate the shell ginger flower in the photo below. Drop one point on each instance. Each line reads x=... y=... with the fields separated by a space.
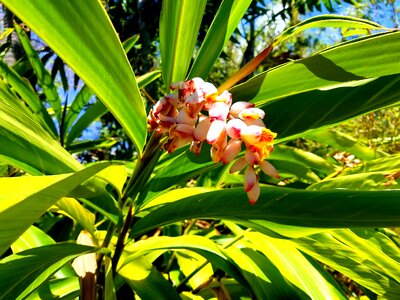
x=196 y=113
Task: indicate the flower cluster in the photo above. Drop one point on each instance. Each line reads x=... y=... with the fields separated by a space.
x=197 y=113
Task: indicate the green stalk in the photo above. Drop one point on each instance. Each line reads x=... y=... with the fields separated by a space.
x=143 y=170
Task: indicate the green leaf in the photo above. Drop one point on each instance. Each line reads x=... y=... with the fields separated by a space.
x=99 y=60
x=322 y=108
x=224 y=24
x=80 y=101
x=26 y=92
x=388 y=164
x=23 y=272
x=91 y=145
x=94 y=111
x=179 y=25
x=44 y=77
x=345 y=142
x=331 y=86
x=332 y=252
x=327 y=209
x=34 y=237
x=364 y=181
x=130 y=42
x=295 y=267
x=265 y=280
x=176 y=171
x=91 y=114
x=60 y=289
x=307 y=159
x=326 y=21
x=368 y=251
x=146 y=281
x=148 y=78
x=73 y=209
x=197 y=244
x=28 y=204
x=33 y=149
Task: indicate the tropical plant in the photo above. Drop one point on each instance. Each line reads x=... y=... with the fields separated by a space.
x=179 y=225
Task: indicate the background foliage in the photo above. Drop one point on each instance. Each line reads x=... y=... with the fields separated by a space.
x=178 y=226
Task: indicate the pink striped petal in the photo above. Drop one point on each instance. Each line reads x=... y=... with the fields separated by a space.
x=231 y=150
x=269 y=169
x=237 y=107
x=234 y=127
x=254 y=193
x=201 y=131
x=217 y=128
x=252 y=157
x=250 y=178
x=238 y=165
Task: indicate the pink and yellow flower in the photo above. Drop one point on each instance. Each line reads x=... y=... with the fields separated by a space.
x=196 y=113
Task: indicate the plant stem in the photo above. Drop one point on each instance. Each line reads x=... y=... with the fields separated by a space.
x=143 y=170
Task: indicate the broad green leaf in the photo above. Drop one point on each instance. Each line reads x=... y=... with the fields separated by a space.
x=332 y=252
x=368 y=251
x=345 y=142
x=60 y=289
x=43 y=76
x=171 y=196
x=322 y=107
x=94 y=111
x=264 y=279
x=325 y=209
x=116 y=175
x=388 y=164
x=331 y=86
x=73 y=209
x=314 y=22
x=23 y=272
x=295 y=267
x=20 y=208
x=7 y=96
x=99 y=60
x=26 y=92
x=188 y=262
x=197 y=244
x=286 y=167
x=34 y=237
x=179 y=25
x=147 y=281
x=364 y=181
x=177 y=171
x=307 y=159
x=91 y=145
x=326 y=21
x=225 y=22
x=380 y=241
x=33 y=149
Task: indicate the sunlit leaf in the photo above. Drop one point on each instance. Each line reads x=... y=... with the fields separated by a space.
x=23 y=272
x=20 y=208
x=33 y=149
x=99 y=60
x=26 y=92
x=325 y=209
x=179 y=24
x=225 y=22
x=44 y=77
